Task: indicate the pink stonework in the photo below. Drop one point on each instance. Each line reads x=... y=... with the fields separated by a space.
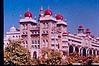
x=51 y=32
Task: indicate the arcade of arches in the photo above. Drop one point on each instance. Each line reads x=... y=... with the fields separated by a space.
x=83 y=51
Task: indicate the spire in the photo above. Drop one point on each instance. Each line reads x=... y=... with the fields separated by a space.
x=41 y=9
x=80 y=29
x=48 y=7
x=20 y=16
x=65 y=19
x=35 y=17
x=55 y=14
x=28 y=9
x=12 y=25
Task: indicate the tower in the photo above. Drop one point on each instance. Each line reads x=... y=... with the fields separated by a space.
x=80 y=29
x=88 y=31
x=62 y=28
x=29 y=30
x=47 y=25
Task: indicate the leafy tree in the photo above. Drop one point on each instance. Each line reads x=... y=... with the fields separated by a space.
x=53 y=57
x=15 y=54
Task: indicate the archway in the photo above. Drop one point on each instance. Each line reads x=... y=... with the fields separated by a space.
x=70 y=49
x=84 y=52
x=97 y=52
x=35 y=54
x=77 y=49
x=90 y=52
x=94 y=52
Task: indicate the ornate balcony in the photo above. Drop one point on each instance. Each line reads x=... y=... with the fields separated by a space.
x=24 y=34
x=34 y=28
x=45 y=33
x=35 y=34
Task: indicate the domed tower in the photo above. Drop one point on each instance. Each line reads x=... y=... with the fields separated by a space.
x=80 y=29
x=61 y=23
x=41 y=14
x=28 y=30
x=88 y=31
x=61 y=28
x=47 y=24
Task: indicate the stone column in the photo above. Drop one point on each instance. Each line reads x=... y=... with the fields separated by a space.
x=86 y=51
x=73 y=48
x=81 y=51
x=96 y=52
x=73 y=45
x=92 y=51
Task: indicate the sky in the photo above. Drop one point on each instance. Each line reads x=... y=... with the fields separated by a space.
x=76 y=12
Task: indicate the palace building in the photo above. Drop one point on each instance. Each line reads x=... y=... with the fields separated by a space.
x=52 y=32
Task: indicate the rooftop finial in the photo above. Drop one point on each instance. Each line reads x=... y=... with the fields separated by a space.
x=41 y=8
x=65 y=19
x=28 y=9
x=35 y=17
x=20 y=16
x=55 y=14
x=48 y=7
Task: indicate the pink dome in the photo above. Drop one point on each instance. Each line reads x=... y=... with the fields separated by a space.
x=80 y=26
x=40 y=15
x=65 y=32
x=87 y=30
x=48 y=12
x=59 y=17
x=28 y=14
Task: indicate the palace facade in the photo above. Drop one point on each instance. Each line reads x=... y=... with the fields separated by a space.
x=51 y=32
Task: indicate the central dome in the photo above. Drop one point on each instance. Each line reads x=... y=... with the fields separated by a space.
x=48 y=12
x=28 y=14
x=59 y=17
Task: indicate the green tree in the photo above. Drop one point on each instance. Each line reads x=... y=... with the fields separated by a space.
x=53 y=57
x=15 y=54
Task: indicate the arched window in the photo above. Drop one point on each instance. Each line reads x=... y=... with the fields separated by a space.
x=90 y=52
x=26 y=42
x=38 y=41
x=35 y=42
x=32 y=42
x=70 y=49
x=84 y=52
x=77 y=49
x=94 y=52
x=43 y=41
x=47 y=41
x=64 y=53
x=13 y=36
x=97 y=52
x=35 y=54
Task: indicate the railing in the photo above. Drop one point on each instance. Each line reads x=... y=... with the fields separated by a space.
x=54 y=36
x=34 y=34
x=24 y=34
x=45 y=33
x=34 y=28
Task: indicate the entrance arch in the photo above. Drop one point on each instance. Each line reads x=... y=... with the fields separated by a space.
x=90 y=52
x=84 y=52
x=35 y=54
x=94 y=52
x=77 y=49
x=70 y=49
